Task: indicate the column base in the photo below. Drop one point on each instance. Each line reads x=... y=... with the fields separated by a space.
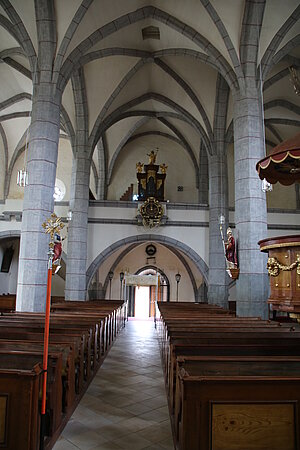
x=218 y=295
x=31 y=298
x=252 y=295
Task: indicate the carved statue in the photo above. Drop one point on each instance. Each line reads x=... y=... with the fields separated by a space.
x=163 y=168
x=57 y=249
x=230 y=251
x=139 y=167
x=152 y=156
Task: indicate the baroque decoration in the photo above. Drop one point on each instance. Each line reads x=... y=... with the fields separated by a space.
x=151 y=186
x=152 y=212
x=274 y=267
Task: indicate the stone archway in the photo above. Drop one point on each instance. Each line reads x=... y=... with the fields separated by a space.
x=139 y=239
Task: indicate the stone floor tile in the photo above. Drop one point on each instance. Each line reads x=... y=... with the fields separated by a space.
x=154 y=415
x=125 y=406
x=73 y=428
x=133 y=442
x=138 y=408
x=167 y=444
x=154 y=447
x=108 y=446
x=87 y=440
x=64 y=444
x=155 y=433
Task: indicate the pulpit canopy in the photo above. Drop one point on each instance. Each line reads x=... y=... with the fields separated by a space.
x=283 y=164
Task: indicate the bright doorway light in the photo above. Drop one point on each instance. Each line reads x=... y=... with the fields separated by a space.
x=142 y=302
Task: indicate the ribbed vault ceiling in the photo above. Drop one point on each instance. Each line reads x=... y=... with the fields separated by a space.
x=137 y=88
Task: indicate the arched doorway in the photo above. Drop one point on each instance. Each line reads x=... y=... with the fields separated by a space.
x=142 y=298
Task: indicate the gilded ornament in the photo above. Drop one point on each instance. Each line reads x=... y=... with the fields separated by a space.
x=139 y=167
x=163 y=168
x=53 y=225
x=152 y=156
x=274 y=267
x=152 y=212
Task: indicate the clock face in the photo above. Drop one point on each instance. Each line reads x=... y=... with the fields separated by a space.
x=150 y=250
x=151 y=212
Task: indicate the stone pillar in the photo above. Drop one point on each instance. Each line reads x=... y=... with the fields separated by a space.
x=38 y=199
x=77 y=234
x=250 y=204
x=202 y=293
x=203 y=176
x=218 y=278
x=101 y=188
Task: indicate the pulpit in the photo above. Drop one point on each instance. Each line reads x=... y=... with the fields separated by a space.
x=283 y=166
x=284 y=272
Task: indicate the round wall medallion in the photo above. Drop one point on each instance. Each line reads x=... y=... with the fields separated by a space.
x=150 y=250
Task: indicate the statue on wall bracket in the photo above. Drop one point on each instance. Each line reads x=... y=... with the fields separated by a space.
x=230 y=253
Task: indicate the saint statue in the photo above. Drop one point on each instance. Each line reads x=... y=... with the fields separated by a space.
x=230 y=251
x=57 y=253
x=152 y=156
x=139 y=167
x=163 y=168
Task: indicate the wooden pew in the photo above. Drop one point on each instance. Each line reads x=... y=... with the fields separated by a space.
x=235 y=341
x=76 y=350
x=19 y=387
x=54 y=387
x=73 y=320
x=200 y=332
x=77 y=340
x=227 y=411
x=7 y=302
x=67 y=366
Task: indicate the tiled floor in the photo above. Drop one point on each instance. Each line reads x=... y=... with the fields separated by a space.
x=125 y=406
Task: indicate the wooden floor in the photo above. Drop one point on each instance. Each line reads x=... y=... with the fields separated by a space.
x=125 y=406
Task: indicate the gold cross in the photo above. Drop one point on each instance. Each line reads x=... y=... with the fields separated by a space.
x=53 y=225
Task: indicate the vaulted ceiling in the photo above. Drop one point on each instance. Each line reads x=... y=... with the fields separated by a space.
x=157 y=90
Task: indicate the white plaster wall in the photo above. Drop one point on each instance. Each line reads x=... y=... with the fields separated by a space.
x=282 y=197
x=180 y=174
x=165 y=260
x=101 y=236
x=8 y=281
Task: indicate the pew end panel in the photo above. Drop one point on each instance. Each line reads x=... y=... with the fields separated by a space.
x=238 y=413
x=19 y=415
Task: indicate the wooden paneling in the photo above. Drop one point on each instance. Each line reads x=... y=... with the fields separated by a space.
x=3 y=418
x=252 y=426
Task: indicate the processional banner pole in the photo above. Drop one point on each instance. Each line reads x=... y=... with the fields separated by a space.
x=53 y=227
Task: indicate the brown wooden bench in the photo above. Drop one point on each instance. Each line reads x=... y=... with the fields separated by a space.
x=7 y=302
x=19 y=395
x=54 y=380
x=76 y=349
x=197 y=333
x=68 y=364
x=252 y=411
x=76 y=339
